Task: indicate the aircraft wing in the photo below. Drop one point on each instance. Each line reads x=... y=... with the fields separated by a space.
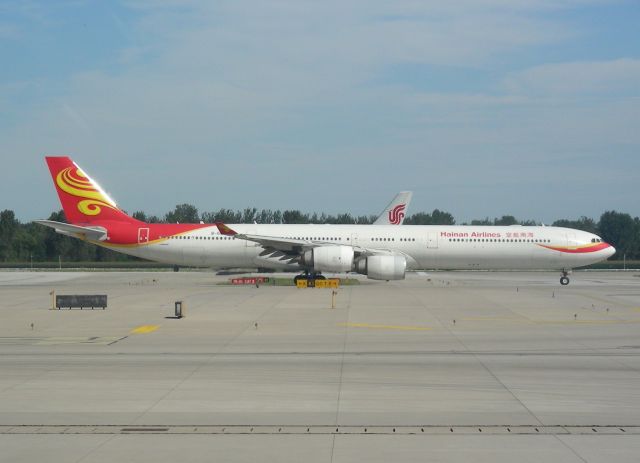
x=274 y=242
x=89 y=233
x=395 y=211
x=295 y=245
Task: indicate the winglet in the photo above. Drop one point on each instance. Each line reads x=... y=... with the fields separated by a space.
x=224 y=230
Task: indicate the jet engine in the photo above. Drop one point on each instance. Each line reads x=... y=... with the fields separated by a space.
x=329 y=258
x=382 y=267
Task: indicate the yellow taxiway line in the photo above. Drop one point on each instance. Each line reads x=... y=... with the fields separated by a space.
x=145 y=329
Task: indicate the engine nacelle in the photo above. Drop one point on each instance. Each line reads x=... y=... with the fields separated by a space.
x=382 y=267
x=329 y=258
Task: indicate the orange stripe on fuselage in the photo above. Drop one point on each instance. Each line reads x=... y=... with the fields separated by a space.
x=585 y=248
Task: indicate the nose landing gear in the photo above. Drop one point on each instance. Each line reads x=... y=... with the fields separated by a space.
x=564 y=279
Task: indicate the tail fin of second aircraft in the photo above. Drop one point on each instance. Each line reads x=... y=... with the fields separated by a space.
x=395 y=211
x=83 y=201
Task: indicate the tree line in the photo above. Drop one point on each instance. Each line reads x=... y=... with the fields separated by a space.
x=24 y=242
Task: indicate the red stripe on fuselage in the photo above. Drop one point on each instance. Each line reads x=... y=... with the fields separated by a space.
x=125 y=234
x=593 y=247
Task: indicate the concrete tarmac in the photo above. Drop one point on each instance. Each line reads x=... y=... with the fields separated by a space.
x=446 y=366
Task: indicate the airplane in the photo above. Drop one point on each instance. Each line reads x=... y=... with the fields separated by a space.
x=395 y=211
x=381 y=252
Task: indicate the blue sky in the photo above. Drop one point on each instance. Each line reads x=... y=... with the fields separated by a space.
x=481 y=107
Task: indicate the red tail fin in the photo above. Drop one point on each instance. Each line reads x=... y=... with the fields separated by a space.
x=82 y=199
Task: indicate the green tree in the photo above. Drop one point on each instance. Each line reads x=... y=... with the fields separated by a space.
x=344 y=219
x=265 y=216
x=222 y=215
x=505 y=220
x=621 y=231
x=8 y=227
x=294 y=216
x=249 y=215
x=28 y=242
x=183 y=213
x=141 y=216
x=366 y=219
x=485 y=221
x=437 y=217
x=583 y=223
x=277 y=217
x=419 y=218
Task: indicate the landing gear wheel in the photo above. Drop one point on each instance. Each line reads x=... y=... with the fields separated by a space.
x=564 y=281
x=309 y=277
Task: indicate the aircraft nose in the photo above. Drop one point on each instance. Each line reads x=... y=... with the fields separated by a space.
x=610 y=251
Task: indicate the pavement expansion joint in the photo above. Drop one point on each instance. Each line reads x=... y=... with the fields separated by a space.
x=325 y=429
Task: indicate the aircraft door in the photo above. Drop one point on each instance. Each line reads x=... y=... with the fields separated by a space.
x=427 y=251
x=432 y=240
x=143 y=235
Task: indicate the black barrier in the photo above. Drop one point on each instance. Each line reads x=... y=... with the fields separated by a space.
x=179 y=310
x=81 y=301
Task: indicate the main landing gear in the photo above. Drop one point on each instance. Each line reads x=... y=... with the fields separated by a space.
x=564 y=279
x=309 y=276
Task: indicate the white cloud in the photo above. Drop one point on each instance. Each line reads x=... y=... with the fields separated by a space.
x=598 y=78
x=275 y=94
x=349 y=34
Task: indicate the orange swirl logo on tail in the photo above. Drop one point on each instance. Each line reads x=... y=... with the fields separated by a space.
x=76 y=183
x=397 y=214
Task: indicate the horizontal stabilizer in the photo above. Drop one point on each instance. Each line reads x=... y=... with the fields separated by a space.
x=89 y=233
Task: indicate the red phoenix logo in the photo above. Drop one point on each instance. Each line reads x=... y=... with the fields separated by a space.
x=397 y=214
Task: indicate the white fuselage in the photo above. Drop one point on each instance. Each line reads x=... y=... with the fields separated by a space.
x=424 y=246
